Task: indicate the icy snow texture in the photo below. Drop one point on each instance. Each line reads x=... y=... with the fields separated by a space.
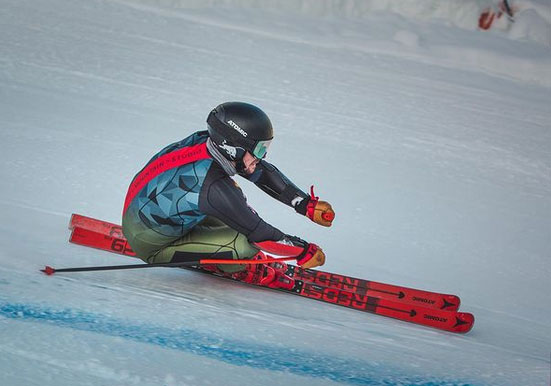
x=430 y=138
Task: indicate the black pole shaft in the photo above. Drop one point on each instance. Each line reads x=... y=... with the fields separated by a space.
x=49 y=270
x=508 y=8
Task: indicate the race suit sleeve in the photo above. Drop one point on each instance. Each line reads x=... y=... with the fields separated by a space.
x=272 y=181
x=224 y=200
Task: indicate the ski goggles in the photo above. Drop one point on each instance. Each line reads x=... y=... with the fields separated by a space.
x=261 y=148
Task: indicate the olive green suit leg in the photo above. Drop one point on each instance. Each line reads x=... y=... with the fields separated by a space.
x=210 y=239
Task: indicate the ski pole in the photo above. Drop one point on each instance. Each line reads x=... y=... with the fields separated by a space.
x=50 y=270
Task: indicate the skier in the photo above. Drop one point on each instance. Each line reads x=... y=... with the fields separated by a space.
x=184 y=205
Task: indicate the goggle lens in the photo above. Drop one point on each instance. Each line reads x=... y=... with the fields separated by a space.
x=261 y=149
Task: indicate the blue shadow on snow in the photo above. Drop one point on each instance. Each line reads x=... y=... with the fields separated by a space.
x=266 y=357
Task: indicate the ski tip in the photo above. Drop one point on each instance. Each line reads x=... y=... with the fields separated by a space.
x=48 y=270
x=450 y=302
x=464 y=322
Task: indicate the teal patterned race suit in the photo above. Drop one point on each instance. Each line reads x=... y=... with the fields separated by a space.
x=196 y=210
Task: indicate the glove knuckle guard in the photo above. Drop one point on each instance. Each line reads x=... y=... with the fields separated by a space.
x=313 y=257
x=323 y=214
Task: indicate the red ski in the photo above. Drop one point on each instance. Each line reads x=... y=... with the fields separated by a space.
x=117 y=243
x=452 y=321
x=342 y=290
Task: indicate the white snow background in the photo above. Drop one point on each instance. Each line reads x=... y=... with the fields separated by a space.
x=430 y=137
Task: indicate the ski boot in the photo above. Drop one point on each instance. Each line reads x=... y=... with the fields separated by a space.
x=270 y=275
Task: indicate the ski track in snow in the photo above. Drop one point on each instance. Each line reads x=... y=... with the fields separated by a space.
x=431 y=140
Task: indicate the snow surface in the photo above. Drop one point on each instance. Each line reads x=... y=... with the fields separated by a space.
x=430 y=138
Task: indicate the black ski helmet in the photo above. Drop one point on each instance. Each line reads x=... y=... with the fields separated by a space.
x=237 y=127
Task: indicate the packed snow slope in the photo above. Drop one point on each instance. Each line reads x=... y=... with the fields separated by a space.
x=430 y=138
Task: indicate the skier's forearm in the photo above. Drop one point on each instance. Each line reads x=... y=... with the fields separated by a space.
x=272 y=181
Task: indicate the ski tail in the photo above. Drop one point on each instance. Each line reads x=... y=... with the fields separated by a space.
x=90 y=238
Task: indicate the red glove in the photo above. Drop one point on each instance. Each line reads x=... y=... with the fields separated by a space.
x=318 y=211
x=312 y=257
